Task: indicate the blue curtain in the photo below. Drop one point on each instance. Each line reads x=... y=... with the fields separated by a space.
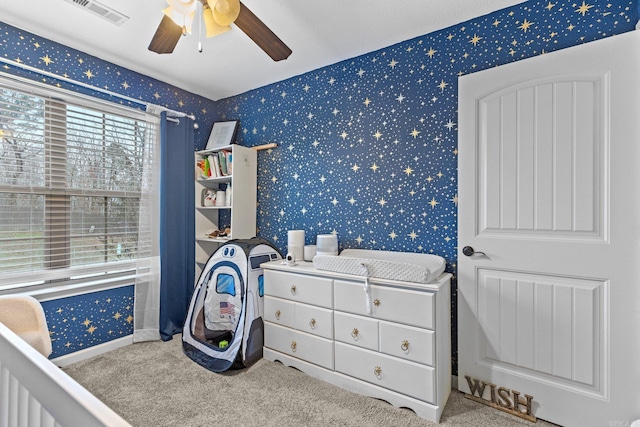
x=177 y=228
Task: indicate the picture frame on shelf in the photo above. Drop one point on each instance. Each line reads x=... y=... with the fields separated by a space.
x=223 y=134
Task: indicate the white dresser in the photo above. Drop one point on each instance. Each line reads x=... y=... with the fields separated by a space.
x=317 y=321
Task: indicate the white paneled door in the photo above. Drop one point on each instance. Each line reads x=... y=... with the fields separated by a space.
x=549 y=234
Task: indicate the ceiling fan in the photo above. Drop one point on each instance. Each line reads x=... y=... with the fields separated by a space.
x=218 y=15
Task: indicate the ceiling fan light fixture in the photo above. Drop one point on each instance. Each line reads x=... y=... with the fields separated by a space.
x=182 y=12
x=225 y=12
x=213 y=28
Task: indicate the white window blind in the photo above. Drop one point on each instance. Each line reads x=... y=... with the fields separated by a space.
x=71 y=180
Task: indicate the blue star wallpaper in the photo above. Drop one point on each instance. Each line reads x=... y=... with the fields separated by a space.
x=367 y=148
x=82 y=321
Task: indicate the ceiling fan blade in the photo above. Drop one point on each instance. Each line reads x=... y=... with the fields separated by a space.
x=261 y=34
x=166 y=36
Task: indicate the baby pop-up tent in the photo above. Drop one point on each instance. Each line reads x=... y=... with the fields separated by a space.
x=224 y=327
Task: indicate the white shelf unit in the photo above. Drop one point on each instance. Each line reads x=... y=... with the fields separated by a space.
x=240 y=215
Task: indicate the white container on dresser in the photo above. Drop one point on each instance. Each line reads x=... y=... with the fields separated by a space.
x=317 y=321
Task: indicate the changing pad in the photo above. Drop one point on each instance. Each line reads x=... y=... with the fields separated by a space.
x=402 y=266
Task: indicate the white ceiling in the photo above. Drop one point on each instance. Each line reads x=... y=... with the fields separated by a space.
x=319 y=33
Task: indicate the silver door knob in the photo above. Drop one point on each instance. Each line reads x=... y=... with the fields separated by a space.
x=469 y=251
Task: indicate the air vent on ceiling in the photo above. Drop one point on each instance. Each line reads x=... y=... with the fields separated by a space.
x=101 y=10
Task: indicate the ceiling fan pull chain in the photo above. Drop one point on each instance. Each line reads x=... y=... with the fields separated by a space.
x=200 y=10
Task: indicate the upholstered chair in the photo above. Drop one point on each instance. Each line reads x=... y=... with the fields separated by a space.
x=25 y=317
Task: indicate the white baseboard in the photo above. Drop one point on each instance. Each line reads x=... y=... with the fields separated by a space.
x=87 y=353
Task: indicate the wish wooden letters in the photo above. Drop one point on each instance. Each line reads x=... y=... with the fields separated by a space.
x=501 y=398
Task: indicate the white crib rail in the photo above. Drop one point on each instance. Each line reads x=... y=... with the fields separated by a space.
x=36 y=393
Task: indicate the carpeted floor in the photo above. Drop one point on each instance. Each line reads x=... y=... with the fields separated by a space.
x=155 y=384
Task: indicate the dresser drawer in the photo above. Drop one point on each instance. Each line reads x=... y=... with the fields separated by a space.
x=407 y=342
x=299 y=288
x=389 y=303
x=314 y=320
x=356 y=330
x=307 y=347
x=280 y=311
x=385 y=371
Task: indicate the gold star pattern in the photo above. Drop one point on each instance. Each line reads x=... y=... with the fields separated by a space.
x=414 y=133
x=584 y=8
x=525 y=25
x=443 y=85
x=431 y=52
x=89 y=74
x=550 y=6
x=367 y=101
x=475 y=39
x=433 y=202
x=408 y=171
x=393 y=235
x=46 y=59
x=374 y=167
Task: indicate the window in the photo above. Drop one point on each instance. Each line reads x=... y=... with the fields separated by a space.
x=71 y=180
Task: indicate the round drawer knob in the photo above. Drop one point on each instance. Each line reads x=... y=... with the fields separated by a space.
x=312 y=323
x=278 y=313
x=355 y=333
x=376 y=302
x=294 y=346
x=293 y=290
x=377 y=371
x=405 y=345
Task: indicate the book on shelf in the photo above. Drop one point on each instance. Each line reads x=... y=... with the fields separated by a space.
x=222 y=159
x=215 y=165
